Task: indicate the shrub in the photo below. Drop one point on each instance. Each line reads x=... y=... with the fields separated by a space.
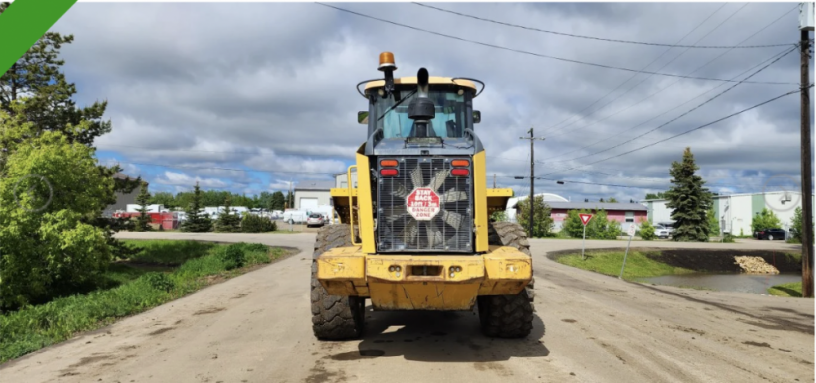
x=251 y=223
x=233 y=256
x=647 y=231
x=159 y=281
x=599 y=227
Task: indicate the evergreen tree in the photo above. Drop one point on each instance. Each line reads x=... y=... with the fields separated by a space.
x=143 y=199
x=277 y=201
x=689 y=201
x=196 y=222
x=228 y=221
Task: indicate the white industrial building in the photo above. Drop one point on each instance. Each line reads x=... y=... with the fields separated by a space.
x=736 y=211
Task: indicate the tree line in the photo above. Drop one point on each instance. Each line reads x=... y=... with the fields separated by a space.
x=266 y=200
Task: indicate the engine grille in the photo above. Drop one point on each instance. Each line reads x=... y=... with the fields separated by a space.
x=420 y=183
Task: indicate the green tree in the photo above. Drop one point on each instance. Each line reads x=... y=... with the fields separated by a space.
x=38 y=76
x=658 y=195
x=612 y=200
x=542 y=220
x=647 y=231
x=277 y=201
x=765 y=220
x=713 y=222
x=689 y=201
x=36 y=91
x=196 y=222
x=599 y=227
x=50 y=192
x=143 y=199
x=165 y=199
x=796 y=225
x=228 y=221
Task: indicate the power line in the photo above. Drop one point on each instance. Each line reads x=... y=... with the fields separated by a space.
x=659 y=69
x=690 y=130
x=540 y=54
x=180 y=167
x=678 y=80
x=601 y=38
x=681 y=115
x=644 y=68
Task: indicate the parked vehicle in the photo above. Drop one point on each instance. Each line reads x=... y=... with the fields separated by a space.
x=771 y=234
x=294 y=216
x=315 y=219
x=663 y=232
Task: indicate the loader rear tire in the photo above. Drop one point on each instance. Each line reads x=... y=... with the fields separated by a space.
x=508 y=316
x=334 y=317
x=513 y=235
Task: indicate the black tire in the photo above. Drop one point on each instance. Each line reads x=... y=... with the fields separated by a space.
x=508 y=316
x=334 y=317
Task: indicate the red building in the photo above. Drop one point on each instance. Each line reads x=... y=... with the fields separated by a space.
x=625 y=213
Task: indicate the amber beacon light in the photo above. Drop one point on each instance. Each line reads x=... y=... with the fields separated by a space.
x=387 y=62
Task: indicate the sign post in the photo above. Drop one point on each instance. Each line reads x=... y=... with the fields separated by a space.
x=631 y=232
x=584 y=219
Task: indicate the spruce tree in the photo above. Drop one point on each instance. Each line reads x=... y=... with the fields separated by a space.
x=228 y=221
x=143 y=222
x=196 y=222
x=689 y=201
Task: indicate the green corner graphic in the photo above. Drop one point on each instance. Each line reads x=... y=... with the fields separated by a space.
x=23 y=23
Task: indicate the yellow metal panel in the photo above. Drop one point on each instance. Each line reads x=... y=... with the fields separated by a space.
x=480 y=200
x=507 y=271
x=497 y=199
x=413 y=81
x=378 y=267
x=340 y=269
x=364 y=202
x=423 y=296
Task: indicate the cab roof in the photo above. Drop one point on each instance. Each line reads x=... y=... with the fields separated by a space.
x=431 y=80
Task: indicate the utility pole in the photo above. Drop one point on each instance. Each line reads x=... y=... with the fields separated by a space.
x=532 y=178
x=805 y=26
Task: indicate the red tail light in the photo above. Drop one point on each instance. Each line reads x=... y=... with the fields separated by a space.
x=460 y=172
x=389 y=172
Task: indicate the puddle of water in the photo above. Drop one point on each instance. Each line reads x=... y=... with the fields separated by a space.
x=735 y=282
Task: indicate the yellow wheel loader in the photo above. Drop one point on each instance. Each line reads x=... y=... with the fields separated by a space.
x=414 y=230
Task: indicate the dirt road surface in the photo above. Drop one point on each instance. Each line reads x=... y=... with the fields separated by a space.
x=256 y=328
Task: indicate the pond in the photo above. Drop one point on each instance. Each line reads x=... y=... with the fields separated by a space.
x=734 y=282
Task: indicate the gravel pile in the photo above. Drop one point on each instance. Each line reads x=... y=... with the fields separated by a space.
x=755 y=265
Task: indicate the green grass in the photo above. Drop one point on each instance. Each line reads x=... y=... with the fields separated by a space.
x=609 y=263
x=787 y=290
x=126 y=290
x=168 y=252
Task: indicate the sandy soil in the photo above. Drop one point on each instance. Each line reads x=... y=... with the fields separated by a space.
x=256 y=328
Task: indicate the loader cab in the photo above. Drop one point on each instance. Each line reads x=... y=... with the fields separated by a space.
x=392 y=131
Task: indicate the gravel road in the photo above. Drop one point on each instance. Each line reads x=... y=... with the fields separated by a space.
x=256 y=328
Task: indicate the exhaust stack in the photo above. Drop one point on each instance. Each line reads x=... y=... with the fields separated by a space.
x=421 y=109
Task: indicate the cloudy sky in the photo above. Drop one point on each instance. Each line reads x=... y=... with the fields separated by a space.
x=248 y=97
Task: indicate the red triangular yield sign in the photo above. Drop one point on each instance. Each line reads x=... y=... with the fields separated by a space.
x=585 y=218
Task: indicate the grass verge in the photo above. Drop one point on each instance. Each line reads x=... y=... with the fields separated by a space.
x=787 y=290
x=638 y=265
x=129 y=288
